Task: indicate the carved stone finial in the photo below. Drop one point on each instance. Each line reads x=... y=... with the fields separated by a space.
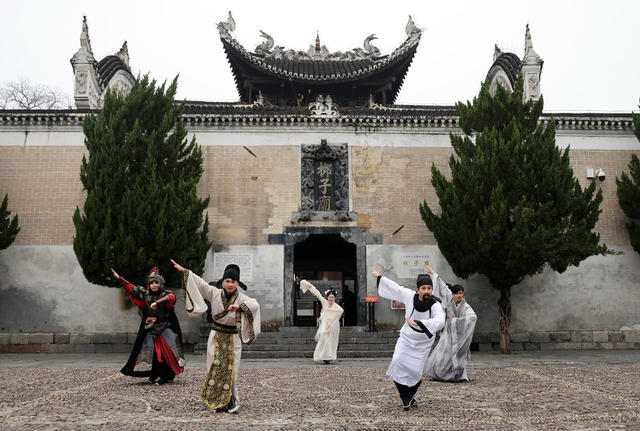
x=411 y=28
x=84 y=55
x=530 y=56
x=124 y=54
x=497 y=52
x=85 y=42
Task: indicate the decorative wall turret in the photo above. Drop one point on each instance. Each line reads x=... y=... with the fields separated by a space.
x=92 y=78
x=507 y=66
x=87 y=87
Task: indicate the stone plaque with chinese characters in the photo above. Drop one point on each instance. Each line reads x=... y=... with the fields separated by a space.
x=410 y=265
x=244 y=261
x=324 y=185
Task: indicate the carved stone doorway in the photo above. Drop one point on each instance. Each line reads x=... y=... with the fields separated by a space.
x=347 y=238
x=328 y=262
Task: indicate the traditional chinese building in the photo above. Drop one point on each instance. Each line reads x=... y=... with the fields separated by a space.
x=328 y=176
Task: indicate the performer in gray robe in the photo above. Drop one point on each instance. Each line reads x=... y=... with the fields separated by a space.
x=448 y=358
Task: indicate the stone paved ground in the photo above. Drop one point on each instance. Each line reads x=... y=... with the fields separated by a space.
x=577 y=391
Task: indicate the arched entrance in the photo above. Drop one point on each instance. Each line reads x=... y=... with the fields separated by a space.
x=327 y=261
x=325 y=237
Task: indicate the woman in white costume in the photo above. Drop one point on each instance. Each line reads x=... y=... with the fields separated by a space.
x=328 y=333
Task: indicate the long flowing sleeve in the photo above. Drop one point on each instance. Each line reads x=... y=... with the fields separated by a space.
x=442 y=291
x=197 y=290
x=462 y=329
x=250 y=320
x=389 y=289
x=305 y=286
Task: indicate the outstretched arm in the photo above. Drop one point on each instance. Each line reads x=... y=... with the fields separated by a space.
x=197 y=290
x=440 y=288
x=389 y=289
x=305 y=286
x=134 y=295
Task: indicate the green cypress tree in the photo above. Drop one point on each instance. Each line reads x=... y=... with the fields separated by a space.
x=141 y=176
x=512 y=205
x=9 y=226
x=629 y=192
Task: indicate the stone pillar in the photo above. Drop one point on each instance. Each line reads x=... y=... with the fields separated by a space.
x=531 y=69
x=87 y=88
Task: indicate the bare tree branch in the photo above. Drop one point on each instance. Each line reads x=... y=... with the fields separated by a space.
x=23 y=94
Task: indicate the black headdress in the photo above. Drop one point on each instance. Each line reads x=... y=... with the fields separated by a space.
x=423 y=279
x=232 y=271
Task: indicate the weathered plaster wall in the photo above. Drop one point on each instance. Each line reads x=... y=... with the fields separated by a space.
x=602 y=293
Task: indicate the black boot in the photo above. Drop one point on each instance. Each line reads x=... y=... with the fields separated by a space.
x=233 y=406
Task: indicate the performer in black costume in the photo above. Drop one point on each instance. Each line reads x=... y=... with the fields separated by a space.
x=157 y=352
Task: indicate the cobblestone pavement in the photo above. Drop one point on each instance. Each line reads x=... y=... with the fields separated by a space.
x=564 y=391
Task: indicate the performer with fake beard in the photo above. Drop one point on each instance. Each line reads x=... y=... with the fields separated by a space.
x=157 y=351
x=236 y=319
x=424 y=317
x=448 y=358
x=328 y=333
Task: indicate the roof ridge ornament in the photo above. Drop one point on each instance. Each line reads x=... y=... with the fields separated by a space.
x=412 y=29
x=227 y=27
x=265 y=47
x=124 y=54
x=530 y=56
x=324 y=107
x=84 y=53
x=369 y=48
x=268 y=50
x=497 y=52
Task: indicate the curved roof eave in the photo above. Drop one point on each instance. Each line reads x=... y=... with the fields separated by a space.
x=320 y=72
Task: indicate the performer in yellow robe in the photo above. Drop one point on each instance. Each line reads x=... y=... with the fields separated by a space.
x=236 y=319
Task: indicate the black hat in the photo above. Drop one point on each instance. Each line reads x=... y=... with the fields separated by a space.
x=456 y=288
x=232 y=271
x=424 y=279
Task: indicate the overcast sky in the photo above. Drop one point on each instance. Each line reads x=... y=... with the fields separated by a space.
x=589 y=48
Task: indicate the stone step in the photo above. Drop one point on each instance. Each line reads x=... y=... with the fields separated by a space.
x=311 y=332
x=299 y=342
x=309 y=354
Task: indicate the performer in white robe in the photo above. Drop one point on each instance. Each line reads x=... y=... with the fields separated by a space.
x=448 y=358
x=236 y=319
x=328 y=333
x=424 y=317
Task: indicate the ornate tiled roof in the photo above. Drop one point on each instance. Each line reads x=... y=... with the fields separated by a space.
x=281 y=75
x=321 y=70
